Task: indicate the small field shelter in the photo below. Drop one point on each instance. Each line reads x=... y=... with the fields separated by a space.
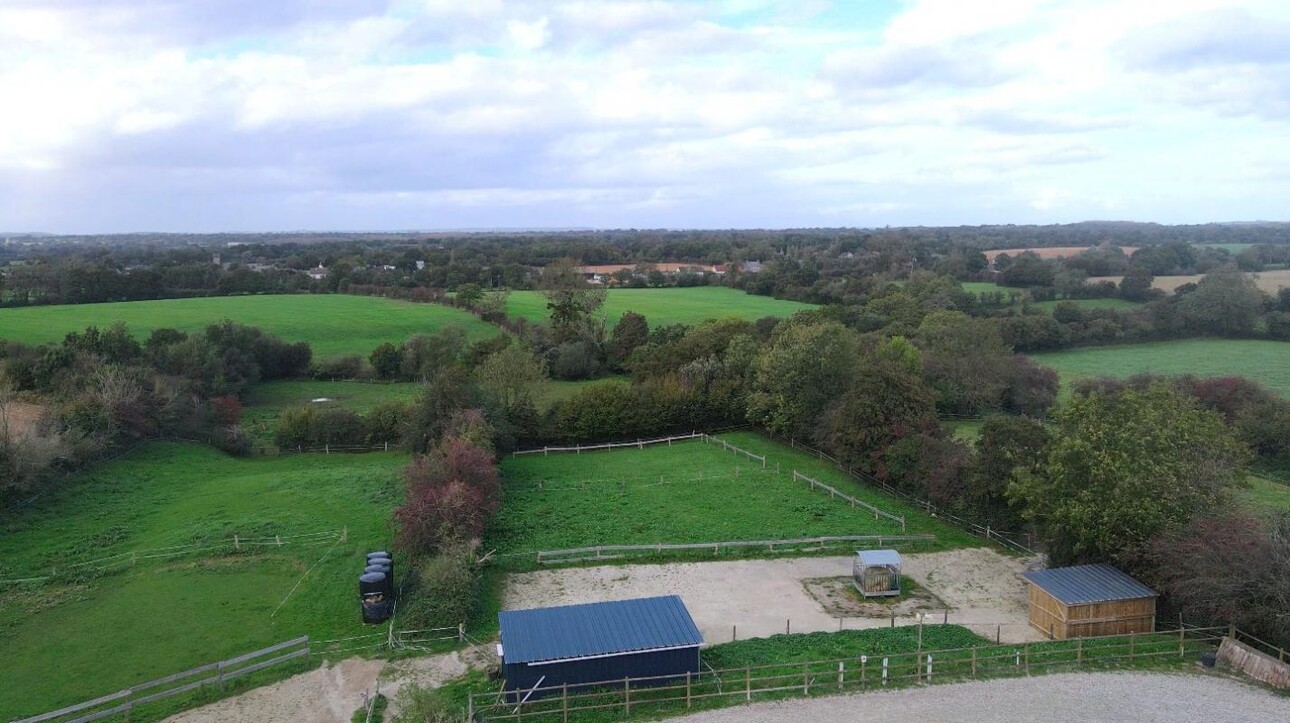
x=1086 y=601
x=589 y=643
x=876 y=573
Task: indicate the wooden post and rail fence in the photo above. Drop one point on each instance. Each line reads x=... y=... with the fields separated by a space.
x=674 y=694
x=216 y=674
x=610 y=552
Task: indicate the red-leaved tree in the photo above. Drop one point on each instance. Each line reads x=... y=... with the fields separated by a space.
x=451 y=494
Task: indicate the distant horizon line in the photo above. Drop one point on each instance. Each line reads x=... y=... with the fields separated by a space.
x=583 y=229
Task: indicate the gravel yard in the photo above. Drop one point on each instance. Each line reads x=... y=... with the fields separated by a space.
x=1083 y=697
x=984 y=590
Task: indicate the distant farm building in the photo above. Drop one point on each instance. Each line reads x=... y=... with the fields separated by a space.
x=1089 y=600
x=576 y=645
x=877 y=572
x=611 y=273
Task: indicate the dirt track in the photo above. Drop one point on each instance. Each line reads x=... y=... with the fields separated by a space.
x=757 y=598
x=1061 y=698
x=329 y=694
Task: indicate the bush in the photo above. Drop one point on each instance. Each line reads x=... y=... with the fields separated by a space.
x=445 y=588
x=575 y=360
x=227 y=410
x=425 y=705
x=295 y=427
x=387 y=422
x=349 y=366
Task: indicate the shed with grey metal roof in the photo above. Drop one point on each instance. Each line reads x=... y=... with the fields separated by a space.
x=579 y=645
x=1089 y=601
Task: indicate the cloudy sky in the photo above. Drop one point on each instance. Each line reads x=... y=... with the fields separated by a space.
x=234 y=115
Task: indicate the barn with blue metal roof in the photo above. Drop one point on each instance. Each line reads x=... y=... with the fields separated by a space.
x=544 y=649
x=1089 y=600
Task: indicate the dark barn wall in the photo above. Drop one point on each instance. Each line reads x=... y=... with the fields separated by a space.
x=645 y=664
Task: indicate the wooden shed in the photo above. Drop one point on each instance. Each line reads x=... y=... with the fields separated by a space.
x=1089 y=600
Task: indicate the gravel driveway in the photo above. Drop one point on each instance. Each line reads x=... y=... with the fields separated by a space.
x=983 y=589
x=1082 y=697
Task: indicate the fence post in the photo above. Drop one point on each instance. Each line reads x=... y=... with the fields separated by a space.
x=884 y=671
x=279 y=539
x=1027 y=654
x=687 y=691
x=1079 y=650
x=806 y=679
x=236 y=545
x=974 y=661
x=1181 y=645
x=929 y=667
x=1133 y=638
x=461 y=632
x=564 y=702
x=627 y=696
x=748 y=683
x=842 y=672
x=326 y=449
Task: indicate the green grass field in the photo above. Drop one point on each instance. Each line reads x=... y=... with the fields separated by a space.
x=1264 y=361
x=1117 y=304
x=688 y=492
x=333 y=324
x=87 y=635
x=1265 y=495
x=669 y=306
x=966 y=430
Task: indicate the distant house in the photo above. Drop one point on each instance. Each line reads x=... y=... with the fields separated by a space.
x=604 y=273
x=317 y=273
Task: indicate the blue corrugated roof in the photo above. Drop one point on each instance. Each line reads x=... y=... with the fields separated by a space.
x=1088 y=584
x=878 y=557
x=605 y=628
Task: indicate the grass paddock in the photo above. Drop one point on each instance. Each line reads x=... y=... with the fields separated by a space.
x=93 y=631
x=333 y=324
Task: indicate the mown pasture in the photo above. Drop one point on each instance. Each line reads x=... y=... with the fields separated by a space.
x=333 y=324
x=1263 y=361
x=690 y=305
x=687 y=492
x=265 y=401
x=92 y=631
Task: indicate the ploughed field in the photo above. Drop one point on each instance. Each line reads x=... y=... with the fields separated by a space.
x=108 y=620
x=690 y=305
x=688 y=492
x=334 y=324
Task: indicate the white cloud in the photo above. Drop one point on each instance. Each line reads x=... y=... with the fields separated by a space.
x=704 y=114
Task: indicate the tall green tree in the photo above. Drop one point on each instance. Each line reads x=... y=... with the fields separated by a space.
x=631 y=331
x=1226 y=302
x=514 y=375
x=1123 y=468
x=572 y=303
x=804 y=370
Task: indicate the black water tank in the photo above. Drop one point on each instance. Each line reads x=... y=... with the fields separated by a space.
x=383 y=569
x=380 y=553
x=373 y=582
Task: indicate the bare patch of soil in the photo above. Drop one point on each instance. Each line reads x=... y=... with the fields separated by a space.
x=839 y=598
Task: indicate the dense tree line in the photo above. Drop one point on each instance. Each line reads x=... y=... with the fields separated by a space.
x=101 y=389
